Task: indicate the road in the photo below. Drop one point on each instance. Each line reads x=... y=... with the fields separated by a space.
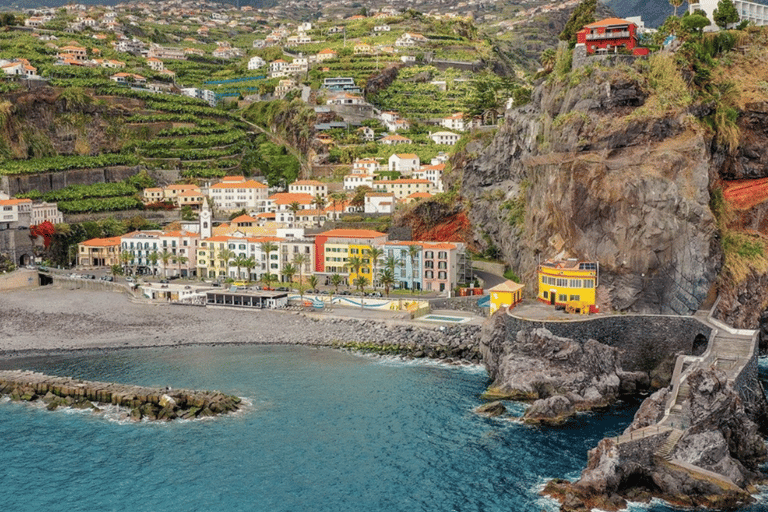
x=489 y=280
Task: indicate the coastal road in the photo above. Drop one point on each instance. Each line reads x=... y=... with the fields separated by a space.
x=489 y=280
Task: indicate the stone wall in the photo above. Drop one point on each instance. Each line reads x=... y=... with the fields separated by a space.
x=747 y=384
x=644 y=340
x=582 y=58
x=487 y=266
x=21 y=278
x=88 y=284
x=458 y=304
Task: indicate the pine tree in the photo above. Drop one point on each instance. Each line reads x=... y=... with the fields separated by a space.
x=584 y=14
x=725 y=14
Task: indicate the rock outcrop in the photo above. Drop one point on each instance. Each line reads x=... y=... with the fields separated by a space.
x=560 y=376
x=578 y=172
x=713 y=462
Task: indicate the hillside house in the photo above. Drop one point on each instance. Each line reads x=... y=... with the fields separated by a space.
x=447 y=138
x=394 y=140
x=610 y=35
x=404 y=163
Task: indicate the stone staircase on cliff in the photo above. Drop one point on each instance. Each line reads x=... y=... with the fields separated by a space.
x=729 y=350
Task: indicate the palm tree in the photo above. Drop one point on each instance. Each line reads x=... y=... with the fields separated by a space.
x=354 y=263
x=336 y=281
x=289 y=271
x=165 y=257
x=181 y=260
x=375 y=253
x=312 y=281
x=299 y=260
x=319 y=203
x=360 y=283
x=225 y=256
x=268 y=248
x=152 y=258
x=413 y=252
x=675 y=4
x=548 y=59
x=295 y=207
x=125 y=258
x=249 y=263
x=239 y=262
x=387 y=279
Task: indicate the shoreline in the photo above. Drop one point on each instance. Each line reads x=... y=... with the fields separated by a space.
x=52 y=321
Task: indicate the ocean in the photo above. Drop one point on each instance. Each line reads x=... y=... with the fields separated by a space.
x=324 y=430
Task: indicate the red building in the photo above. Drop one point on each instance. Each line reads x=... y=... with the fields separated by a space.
x=609 y=36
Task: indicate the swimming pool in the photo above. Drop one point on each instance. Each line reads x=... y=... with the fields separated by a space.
x=445 y=318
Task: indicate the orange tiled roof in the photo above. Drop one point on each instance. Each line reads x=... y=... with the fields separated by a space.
x=314 y=183
x=243 y=218
x=11 y=202
x=407 y=155
x=290 y=197
x=102 y=242
x=243 y=184
x=607 y=22
x=353 y=233
x=420 y=195
x=407 y=180
x=507 y=286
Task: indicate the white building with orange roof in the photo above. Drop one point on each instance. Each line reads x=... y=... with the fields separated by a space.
x=283 y=201
x=248 y=249
x=416 y=196
x=78 y=53
x=404 y=163
x=238 y=195
x=433 y=173
x=304 y=218
x=123 y=78
x=404 y=187
x=394 y=140
x=15 y=211
x=429 y=266
x=166 y=253
x=155 y=64
x=365 y=165
x=311 y=187
x=326 y=54
x=21 y=67
x=446 y=138
x=99 y=252
x=358 y=179
x=193 y=198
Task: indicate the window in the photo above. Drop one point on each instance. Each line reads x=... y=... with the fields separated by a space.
x=442 y=255
x=546 y=295
x=589 y=283
x=442 y=264
x=561 y=282
x=576 y=297
x=442 y=275
x=562 y=298
x=575 y=283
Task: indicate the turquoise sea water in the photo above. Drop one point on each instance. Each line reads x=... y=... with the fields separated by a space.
x=325 y=431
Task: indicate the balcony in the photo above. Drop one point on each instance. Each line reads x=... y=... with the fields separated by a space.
x=608 y=35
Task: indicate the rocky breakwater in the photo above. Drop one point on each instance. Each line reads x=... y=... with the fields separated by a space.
x=709 y=455
x=143 y=402
x=560 y=376
x=451 y=344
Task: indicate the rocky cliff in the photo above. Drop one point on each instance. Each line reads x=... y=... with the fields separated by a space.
x=713 y=463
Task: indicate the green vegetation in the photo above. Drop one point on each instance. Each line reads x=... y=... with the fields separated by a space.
x=64 y=163
x=584 y=14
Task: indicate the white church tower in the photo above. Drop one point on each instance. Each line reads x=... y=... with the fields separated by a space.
x=206 y=230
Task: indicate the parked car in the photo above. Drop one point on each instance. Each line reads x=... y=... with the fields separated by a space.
x=129 y=279
x=164 y=281
x=281 y=289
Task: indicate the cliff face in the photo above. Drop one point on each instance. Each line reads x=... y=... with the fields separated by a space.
x=578 y=173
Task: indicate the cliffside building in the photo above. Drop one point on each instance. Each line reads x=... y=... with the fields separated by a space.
x=568 y=281
x=610 y=35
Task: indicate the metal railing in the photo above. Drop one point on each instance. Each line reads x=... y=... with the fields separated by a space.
x=608 y=35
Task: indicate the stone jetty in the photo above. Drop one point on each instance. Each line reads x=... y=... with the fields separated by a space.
x=144 y=403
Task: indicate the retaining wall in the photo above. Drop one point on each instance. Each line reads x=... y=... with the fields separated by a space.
x=458 y=304
x=644 y=340
x=21 y=278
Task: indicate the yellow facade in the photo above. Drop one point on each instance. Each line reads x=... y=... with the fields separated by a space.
x=505 y=295
x=568 y=281
x=337 y=257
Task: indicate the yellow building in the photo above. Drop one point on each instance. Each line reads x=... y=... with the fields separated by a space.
x=99 y=252
x=568 y=281
x=505 y=295
x=339 y=245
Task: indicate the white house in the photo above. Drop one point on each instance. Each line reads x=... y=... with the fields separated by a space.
x=405 y=163
x=358 y=179
x=381 y=28
x=409 y=40
x=366 y=133
x=365 y=165
x=256 y=63
x=447 y=138
x=312 y=187
x=379 y=202
x=155 y=64
x=239 y=195
x=394 y=140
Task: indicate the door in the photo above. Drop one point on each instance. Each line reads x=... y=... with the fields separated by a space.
x=552 y=295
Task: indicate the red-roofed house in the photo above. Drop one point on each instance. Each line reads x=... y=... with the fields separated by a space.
x=99 y=252
x=610 y=35
x=403 y=188
x=311 y=187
